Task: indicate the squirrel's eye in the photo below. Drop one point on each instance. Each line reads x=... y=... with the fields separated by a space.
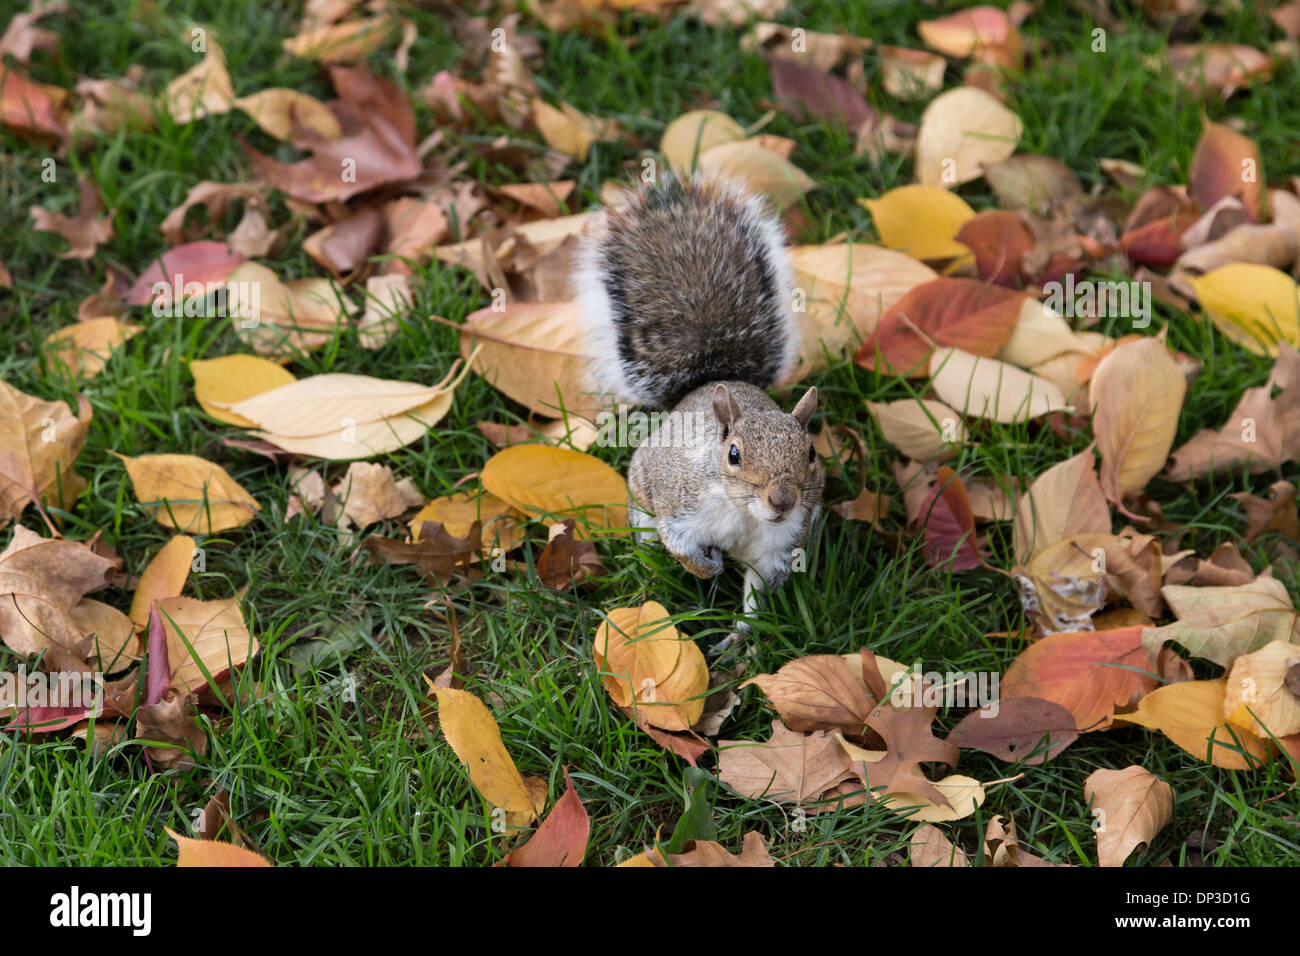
x=733 y=457
x=812 y=454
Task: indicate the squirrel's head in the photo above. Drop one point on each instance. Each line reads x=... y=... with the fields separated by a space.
x=767 y=459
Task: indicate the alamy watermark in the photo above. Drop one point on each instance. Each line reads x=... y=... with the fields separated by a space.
x=238 y=300
x=673 y=429
x=72 y=689
x=1100 y=300
x=977 y=689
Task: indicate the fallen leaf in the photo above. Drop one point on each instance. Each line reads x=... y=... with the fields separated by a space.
x=1090 y=674
x=211 y=853
x=189 y=493
x=1277 y=512
x=645 y=662
x=41 y=581
x=203 y=90
x=370 y=493
x=1222 y=623
x=949 y=524
x=222 y=382
x=566 y=561
x=85 y=347
x=1134 y=806
x=708 y=853
x=962 y=131
x=164 y=577
x=476 y=739
x=278 y=110
x=788 y=767
x=987 y=388
x=929 y=847
x=1136 y=396
x=561 y=840
x=962 y=313
x=817 y=693
x=1064 y=501
x=921 y=429
x=84 y=231
x=922 y=221
x=761 y=170
x=692 y=134
x=1190 y=713
x=1030 y=181
x=1256 y=306
x=538 y=479
x=1018 y=729
x=1258 y=691
x=39 y=441
x=183 y=277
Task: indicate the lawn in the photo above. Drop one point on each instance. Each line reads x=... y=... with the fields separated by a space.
x=319 y=776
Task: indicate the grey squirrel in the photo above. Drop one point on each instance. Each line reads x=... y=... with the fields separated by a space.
x=687 y=296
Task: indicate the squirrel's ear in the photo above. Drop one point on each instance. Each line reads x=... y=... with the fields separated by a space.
x=724 y=406
x=803 y=412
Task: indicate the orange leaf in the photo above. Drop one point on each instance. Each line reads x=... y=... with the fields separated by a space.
x=1089 y=673
x=970 y=315
x=1226 y=164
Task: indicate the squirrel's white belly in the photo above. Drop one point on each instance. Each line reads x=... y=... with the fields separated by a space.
x=739 y=531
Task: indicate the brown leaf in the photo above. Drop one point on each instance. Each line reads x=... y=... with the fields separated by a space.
x=437 y=553
x=1017 y=729
x=171 y=724
x=805 y=90
x=39 y=441
x=343 y=247
x=32 y=108
x=711 y=854
x=41 y=581
x=84 y=231
x=1222 y=68
x=1063 y=501
x=1277 y=512
x=1222 y=623
x=817 y=693
x=1262 y=430
x=1000 y=241
x=566 y=561
x=1029 y=181
x=1136 y=396
x=789 y=767
x=929 y=847
x=949 y=524
x=909 y=742
x=1226 y=163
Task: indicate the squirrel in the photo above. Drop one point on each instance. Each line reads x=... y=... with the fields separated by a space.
x=686 y=293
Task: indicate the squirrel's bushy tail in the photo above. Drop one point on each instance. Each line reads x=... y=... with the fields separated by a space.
x=687 y=284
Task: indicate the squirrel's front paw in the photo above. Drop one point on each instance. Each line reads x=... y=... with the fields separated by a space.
x=703 y=562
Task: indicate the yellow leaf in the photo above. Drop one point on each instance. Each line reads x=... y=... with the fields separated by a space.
x=277 y=110
x=474 y=735
x=1136 y=396
x=645 y=662
x=210 y=632
x=367 y=439
x=211 y=853
x=189 y=493
x=693 y=134
x=539 y=479
x=329 y=403
x=965 y=794
x=164 y=577
x=85 y=348
x=1190 y=713
x=922 y=221
x=761 y=169
x=534 y=352
x=222 y=382
x=1256 y=306
x=961 y=132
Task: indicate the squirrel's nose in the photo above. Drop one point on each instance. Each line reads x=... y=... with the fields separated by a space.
x=782 y=498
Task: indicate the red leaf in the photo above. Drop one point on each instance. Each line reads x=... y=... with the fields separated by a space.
x=999 y=239
x=561 y=840
x=1156 y=243
x=949 y=524
x=805 y=89
x=200 y=262
x=970 y=315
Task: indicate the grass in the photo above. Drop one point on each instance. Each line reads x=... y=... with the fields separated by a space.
x=316 y=779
